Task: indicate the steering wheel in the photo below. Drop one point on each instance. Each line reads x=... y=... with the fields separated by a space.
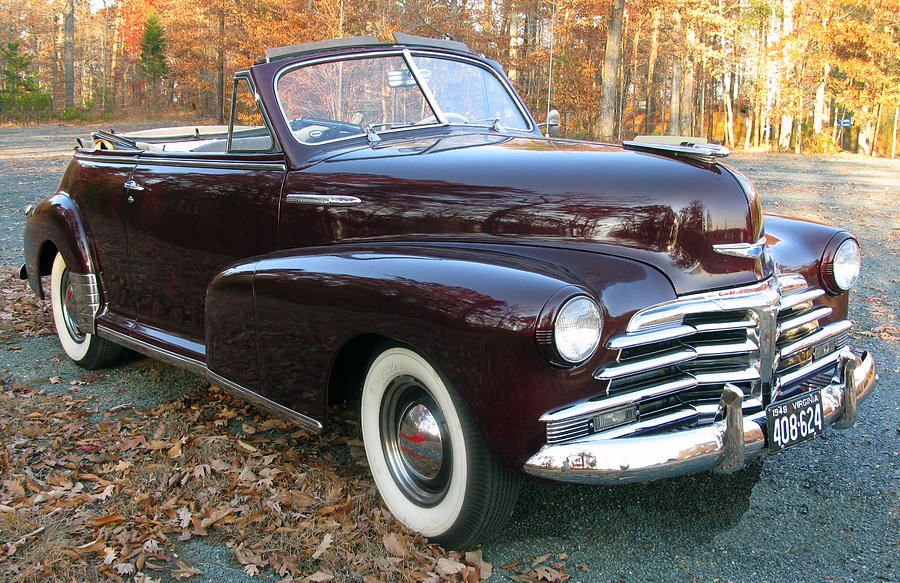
x=316 y=129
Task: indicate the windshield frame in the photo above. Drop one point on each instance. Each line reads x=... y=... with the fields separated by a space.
x=407 y=55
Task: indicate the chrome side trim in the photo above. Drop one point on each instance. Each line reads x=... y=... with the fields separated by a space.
x=129 y=158
x=322 y=199
x=236 y=390
x=147 y=349
x=200 y=368
x=87 y=300
x=744 y=250
x=156 y=159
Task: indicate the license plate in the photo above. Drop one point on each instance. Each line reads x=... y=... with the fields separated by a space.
x=794 y=421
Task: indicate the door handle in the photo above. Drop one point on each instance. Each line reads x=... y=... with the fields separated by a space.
x=322 y=199
x=132 y=185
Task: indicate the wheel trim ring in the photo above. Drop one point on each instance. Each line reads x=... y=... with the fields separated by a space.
x=403 y=394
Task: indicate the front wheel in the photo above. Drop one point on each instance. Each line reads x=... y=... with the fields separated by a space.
x=87 y=350
x=429 y=462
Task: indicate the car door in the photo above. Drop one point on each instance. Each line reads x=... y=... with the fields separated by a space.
x=101 y=197
x=191 y=214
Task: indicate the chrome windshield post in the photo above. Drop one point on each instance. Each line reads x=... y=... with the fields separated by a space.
x=426 y=90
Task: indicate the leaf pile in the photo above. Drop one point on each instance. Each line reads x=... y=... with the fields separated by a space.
x=22 y=313
x=93 y=495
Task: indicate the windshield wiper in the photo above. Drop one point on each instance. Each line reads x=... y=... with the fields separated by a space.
x=392 y=125
x=494 y=121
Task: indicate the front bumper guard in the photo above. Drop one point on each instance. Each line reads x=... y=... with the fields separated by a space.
x=722 y=446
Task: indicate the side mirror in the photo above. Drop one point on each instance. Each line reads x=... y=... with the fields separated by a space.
x=552 y=123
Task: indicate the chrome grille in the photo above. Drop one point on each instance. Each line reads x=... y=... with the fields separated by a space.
x=675 y=358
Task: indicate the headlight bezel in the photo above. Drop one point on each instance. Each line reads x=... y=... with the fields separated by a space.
x=546 y=329
x=832 y=279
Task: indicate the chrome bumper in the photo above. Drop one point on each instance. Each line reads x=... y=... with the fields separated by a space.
x=721 y=446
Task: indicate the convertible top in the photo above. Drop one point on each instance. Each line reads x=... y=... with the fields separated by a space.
x=361 y=41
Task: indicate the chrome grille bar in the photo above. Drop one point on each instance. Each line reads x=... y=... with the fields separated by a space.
x=803 y=319
x=591 y=408
x=640 y=365
x=813 y=339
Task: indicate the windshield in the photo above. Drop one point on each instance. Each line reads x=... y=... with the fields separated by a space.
x=467 y=93
x=339 y=99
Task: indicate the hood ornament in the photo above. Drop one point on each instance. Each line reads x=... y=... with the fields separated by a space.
x=745 y=250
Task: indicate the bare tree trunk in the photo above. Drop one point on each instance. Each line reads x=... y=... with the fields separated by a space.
x=877 y=127
x=894 y=138
x=819 y=111
x=798 y=144
x=686 y=118
x=727 y=82
x=513 y=73
x=58 y=84
x=220 y=70
x=605 y=129
x=103 y=54
x=675 y=99
x=69 y=50
x=838 y=124
x=649 y=115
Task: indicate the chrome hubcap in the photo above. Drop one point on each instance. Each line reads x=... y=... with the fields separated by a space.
x=413 y=434
x=69 y=307
x=420 y=443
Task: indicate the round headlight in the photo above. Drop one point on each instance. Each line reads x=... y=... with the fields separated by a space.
x=846 y=264
x=576 y=332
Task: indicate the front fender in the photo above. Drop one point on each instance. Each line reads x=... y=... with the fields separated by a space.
x=55 y=220
x=797 y=246
x=470 y=310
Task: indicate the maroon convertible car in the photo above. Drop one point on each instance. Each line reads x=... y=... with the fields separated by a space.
x=387 y=223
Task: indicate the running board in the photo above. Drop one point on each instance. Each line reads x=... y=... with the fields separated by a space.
x=200 y=368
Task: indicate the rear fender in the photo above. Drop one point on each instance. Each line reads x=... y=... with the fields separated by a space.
x=55 y=221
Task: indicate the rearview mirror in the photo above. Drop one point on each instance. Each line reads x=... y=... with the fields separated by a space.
x=404 y=78
x=552 y=123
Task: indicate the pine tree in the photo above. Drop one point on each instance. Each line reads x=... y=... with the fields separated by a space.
x=153 y=52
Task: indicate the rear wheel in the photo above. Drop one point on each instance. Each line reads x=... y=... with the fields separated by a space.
x=87 y=350
x=429 y=462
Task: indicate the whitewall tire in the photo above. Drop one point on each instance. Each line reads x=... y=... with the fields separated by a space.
x=87 y=350
x=429 y=462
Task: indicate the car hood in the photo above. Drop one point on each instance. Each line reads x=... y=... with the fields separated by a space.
x=663 y=211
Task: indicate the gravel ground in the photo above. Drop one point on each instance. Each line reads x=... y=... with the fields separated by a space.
x=826 y=511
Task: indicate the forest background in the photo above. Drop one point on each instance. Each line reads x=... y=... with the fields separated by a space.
x=779 y=75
